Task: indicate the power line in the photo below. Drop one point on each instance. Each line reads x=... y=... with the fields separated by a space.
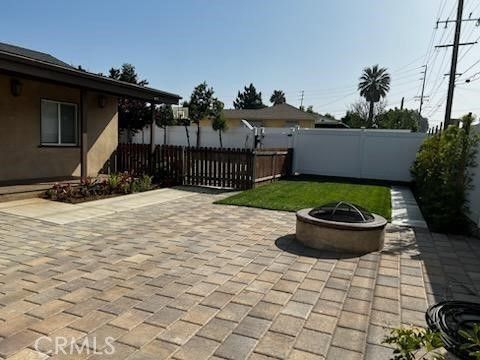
x=428 y=53
x=434 y=61
x=470 y=67
x=435 y=49
x=343 y=97
x=439 y=76
x=453 y=66
x=472 y=78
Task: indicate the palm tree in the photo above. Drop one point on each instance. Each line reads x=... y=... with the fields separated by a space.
x=278 y=97
x=374 y=84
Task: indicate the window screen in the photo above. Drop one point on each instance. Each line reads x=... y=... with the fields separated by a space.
x=59 y=123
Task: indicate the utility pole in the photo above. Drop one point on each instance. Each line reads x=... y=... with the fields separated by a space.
x=301 y=98
x=453 y=66
x=401 y=103
x=421 y=97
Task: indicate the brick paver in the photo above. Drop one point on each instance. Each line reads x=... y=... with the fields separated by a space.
x=187 y=279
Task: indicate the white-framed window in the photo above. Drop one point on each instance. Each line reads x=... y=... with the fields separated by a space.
x=59 y=123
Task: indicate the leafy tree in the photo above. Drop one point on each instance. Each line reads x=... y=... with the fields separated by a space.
x=133 y=114
x=249 y=99
x=219 y=123
x=401 y=119
x=354 y=120
x=128 y=74
x=278 y=97
x=115 y=73
x=200 y=105
x=442 y=175
x=374 y=84
x=308 y=109
x=362 y=107
x=164 y=118
x=358 y=113
x=185 y=122
x=329 y=116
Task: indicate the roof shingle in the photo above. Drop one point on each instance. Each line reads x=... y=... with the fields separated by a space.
x=32 y=54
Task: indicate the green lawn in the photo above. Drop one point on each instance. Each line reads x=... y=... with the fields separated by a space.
x=293 y=195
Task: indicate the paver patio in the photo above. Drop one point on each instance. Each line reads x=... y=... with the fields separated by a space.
x=191 y=280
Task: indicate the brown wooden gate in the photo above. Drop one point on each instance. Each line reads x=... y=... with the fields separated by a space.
x=223 y=168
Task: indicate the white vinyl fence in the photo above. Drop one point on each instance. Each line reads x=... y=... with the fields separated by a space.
x=176 y=135
x=356 y=153
x=277 y=137
x=240 y=137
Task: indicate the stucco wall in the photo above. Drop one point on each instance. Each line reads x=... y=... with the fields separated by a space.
x=22 y=157
x=233 y=123
x=102 y=131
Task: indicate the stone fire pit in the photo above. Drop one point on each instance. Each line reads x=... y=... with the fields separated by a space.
x=341 y=227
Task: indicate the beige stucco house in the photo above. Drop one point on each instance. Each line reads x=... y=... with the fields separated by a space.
x=283 y=115
x=57 y=121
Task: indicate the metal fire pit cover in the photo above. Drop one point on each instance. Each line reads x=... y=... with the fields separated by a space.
x=342 y=211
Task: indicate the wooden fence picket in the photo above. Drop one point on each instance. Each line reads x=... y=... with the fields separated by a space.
x=218 y=167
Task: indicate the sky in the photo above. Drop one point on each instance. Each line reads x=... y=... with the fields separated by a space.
x=317 y=46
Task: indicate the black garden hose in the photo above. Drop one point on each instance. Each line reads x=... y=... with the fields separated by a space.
x=448 y=317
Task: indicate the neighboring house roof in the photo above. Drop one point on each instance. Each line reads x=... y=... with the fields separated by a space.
x=331 y=125
x=325 y=122
x=324 y=119
x=276 y=112
x=19 y=61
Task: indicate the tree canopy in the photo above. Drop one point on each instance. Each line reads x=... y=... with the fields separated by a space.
x=249 y=99
x=133 y=114
x=219 y=122
x=358 y=113
x=127 y=73
x=200 y=102
x=373 y=85
x=357 y=117
x=201 y=105
x=278 y=97
x=402 y=119
x=164 y=116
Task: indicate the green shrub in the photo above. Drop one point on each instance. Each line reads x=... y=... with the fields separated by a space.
x=442 y=176
x=472 y=341
x=91 y=188
x=411 y=342
x=418 y=343
x=141 y=184
x=113 y=181
x=60 y=192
